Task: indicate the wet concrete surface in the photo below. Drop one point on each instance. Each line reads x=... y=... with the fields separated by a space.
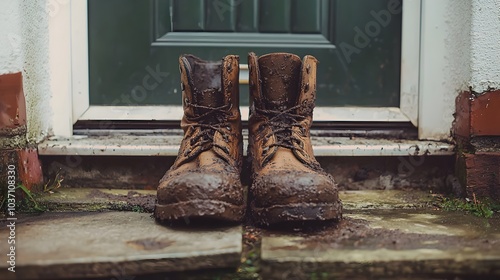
x=114 y=244
x=386 y=243
x=86 y=199
x=384 y=234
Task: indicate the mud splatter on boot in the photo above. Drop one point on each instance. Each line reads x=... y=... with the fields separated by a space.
x=204 y=180
x=288 y=184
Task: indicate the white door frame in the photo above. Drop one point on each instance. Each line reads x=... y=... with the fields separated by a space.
x=411 y=97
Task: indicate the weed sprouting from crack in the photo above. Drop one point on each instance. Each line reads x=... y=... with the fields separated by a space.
x=53 y=185
x=483 y=209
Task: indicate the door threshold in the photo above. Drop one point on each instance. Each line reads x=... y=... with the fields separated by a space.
x=129 y=145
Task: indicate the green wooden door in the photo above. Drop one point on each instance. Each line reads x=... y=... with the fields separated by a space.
x=134 y=45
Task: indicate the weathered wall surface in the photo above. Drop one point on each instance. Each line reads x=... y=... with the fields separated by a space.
x=444 y=64
x=10 y=37
x=485 y=45
x=477 y=118
x=24 y=38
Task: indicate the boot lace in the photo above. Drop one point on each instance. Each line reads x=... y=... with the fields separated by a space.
x=215 y=119
x=281 y=124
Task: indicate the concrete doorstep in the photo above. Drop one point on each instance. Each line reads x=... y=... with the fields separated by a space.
x=384 y=234
x=94 y=199
x=113 y=244
x=397 y=243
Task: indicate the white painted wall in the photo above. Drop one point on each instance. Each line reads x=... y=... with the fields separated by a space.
x=24 y=41
x=485 y=45
x=444 y=65
x=460 y=50
x=11 y=59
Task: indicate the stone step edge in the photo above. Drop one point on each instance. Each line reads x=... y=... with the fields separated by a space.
x=92 y=199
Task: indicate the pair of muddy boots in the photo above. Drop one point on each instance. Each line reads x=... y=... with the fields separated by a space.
x=287 y=183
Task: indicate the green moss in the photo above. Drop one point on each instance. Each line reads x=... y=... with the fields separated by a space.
x=25 y=201
x=319 y=276
x=138 y=209
x=477 y=208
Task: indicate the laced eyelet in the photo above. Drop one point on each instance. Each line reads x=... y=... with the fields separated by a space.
x=302 y=131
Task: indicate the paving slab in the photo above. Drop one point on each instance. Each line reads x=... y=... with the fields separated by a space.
x=93 y=199
x=385 y=199
x=396 y=243
x=113 y=244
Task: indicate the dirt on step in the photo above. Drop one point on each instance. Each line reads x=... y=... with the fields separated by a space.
x=357 y=234
x=133 y=200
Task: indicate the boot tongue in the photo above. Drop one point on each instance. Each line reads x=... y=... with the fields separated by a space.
x=207 y=84
x=211 y=97
x=280 y=74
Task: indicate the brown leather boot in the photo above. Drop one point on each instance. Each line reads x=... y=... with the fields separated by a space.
x=204 y=180
x=288 y=184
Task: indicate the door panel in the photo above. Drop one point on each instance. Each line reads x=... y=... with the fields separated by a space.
x=134 y=46
x=306 y=16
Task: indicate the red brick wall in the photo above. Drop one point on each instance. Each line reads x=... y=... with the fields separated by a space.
x=14 y=148
x=477 y=132
x=12 y=103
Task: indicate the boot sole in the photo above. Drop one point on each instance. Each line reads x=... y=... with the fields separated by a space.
x=198 y=208
x=297 y=212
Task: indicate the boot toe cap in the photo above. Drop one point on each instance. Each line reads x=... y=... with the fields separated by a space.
x=199 y=185
x=291 y=187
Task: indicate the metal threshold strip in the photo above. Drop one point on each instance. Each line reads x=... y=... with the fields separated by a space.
x=151 y=145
